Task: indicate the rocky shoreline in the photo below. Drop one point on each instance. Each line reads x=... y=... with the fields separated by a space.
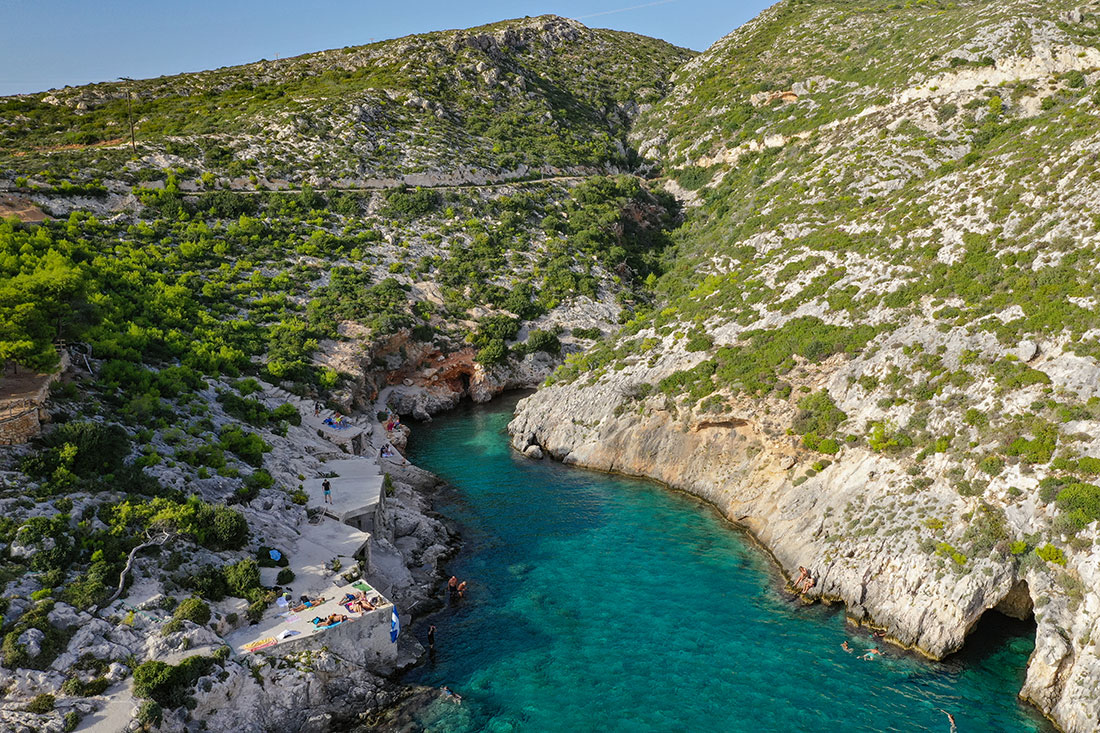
x=886 y=584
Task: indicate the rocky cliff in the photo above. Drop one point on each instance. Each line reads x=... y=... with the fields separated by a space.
x=877 y=344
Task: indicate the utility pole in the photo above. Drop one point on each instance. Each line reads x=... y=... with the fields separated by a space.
x=129 y=114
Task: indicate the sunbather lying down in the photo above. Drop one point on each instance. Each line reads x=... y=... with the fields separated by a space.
x=308 y=604
x=329 y=620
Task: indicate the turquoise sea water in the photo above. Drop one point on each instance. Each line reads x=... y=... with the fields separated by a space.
x=599 y=603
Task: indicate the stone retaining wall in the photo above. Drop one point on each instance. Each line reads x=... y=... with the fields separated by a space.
x=19 y=427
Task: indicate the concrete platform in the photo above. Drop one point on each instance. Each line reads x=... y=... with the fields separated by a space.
x=290 y=627
x=357 y=497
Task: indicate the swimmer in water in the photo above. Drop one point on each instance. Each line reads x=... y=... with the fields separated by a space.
x=453 y=696
x=951 y=719
x=871 y=654
x=846 y=648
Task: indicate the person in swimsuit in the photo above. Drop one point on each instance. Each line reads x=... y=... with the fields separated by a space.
x=452 y=696
x=846 y=648
x=871 y=654
x=950 y=719
x=327 y=487
x=431 y=637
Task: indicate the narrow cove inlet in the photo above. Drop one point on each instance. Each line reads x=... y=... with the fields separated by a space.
x=598 y=602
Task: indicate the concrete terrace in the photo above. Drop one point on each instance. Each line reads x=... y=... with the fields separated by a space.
x=338 y=531
x=290 y=626
x=357 y=497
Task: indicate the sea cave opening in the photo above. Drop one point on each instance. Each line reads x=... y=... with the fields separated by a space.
x=1009 y=624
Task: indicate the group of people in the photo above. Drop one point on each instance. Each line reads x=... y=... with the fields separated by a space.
x=336 y=421
x=456 y=589
x=357 y=603
x=805 y=581
x=392 y=422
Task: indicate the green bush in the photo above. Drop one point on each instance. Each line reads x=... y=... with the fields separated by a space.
x=1050 y=553
x=169 y=685
x=542 y=341
x=587 y=333
x=242 y=578
x=1080 y=504
x=41 y=704
x=150 y=714
x=285 y=577
x=249 y=447
x=1038 y=449
x=194 y=610
x=287 y=412
x=992 y=465
x=494 y=352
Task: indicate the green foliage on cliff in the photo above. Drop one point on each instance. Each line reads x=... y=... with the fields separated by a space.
x=817 y=421
x=536 y=91
x=169 y=685
x=756 y=366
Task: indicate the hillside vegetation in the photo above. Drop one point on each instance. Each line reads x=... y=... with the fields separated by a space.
x=538 y=93
x=259 y=248
x=887 y=285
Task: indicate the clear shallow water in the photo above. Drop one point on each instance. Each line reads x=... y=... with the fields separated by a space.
x=599 y=603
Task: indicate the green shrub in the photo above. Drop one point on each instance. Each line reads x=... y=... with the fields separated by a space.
x=150 y=714
x=587 y=333
x=699 y=340
x=493 y=352
x=249 y=447
x=287 y=412
x=169 y=685
x=41 y=704
x=542 y=341
x=242 y=578
x=1050 y=553
x=285 y=577
x=193 y=609
x=1080 y=504
x=1038 y=449
x=255 y=612
x=992 y=465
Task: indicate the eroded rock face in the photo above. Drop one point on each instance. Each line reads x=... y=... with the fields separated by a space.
x=886 y=578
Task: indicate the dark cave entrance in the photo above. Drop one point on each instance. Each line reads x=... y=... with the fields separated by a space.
x=1010 y=622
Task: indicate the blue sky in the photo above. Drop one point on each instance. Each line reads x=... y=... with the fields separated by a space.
x=51 y=43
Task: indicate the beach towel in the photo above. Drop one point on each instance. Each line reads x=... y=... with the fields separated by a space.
x=287 y=633
x=260 y=644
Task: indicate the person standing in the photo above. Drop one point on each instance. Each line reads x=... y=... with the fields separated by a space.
x=327 y=488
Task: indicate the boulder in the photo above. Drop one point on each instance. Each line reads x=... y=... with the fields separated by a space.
x=533 y=451
x=1027 y=351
